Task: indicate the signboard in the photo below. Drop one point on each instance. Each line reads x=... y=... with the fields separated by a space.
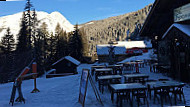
x=83 y=86
x=182 y=13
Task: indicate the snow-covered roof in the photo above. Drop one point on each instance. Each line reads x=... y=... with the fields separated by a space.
x=122 y=46
x=103 y=50
x=132 y=44
x=69 y=58
x=182 y=27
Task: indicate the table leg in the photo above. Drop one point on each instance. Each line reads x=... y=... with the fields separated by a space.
x=96 y=74
x=112 y=96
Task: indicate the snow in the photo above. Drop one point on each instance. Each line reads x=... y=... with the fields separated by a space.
x=50 y=71
x=72 y=60
x=184 y=28
x=69 y=58
x=148 y=55
x=89 y=23
x=132 y=44
x=64 y=92
x=13 y=21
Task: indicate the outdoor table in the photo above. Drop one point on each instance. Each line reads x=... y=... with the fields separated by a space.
x=96 y=67
x=141 y=64
x=167 y=83
x=154 y=67
x=129 y=64
x=125 y=88
x=108 y=77
x=163 y=84
x=105 y=80
x=102 y=71
x=116 y=68
x=146 y=61
x=136 y=77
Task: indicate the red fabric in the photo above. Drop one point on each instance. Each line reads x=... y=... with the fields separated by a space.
x=34 y=68
x=25 y=71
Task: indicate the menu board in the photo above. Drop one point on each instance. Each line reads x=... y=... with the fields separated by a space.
x=83 y=86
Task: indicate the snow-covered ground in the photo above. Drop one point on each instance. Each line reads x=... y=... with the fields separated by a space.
x=64 y=92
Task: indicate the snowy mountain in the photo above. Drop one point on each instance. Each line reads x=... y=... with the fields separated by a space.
x=13 y=21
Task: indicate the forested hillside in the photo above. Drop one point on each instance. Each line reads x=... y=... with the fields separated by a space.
x=114 y=28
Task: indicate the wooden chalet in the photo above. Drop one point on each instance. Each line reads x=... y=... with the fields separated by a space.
x=122 y=49
x=168 y=25
x=66 y=64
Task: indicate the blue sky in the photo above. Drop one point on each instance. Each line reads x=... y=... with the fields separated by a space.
x=78 y=11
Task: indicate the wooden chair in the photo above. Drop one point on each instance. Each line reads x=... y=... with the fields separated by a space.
x=102 y=84
x=162 y=92
x=122 y=96
x=179 y=91
x=140 y=93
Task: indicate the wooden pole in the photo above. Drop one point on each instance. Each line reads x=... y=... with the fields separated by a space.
x=34 y=70
x=95 y=90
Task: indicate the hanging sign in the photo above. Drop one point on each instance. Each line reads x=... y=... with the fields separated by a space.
x=182 y=13
x=83 y=86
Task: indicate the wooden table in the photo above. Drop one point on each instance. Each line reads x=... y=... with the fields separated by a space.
x=165 y=83
x=125 y=88
x=129 y=64
x=116 y=68
x=136 y=77
x=170 y=85
x=107 y=79
x=96 y=67
x=102 y=71
x=141 y=64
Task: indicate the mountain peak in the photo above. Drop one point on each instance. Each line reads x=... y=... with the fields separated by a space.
x=13 y=22
x=56 y=13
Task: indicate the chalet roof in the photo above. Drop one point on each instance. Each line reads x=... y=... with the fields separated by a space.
x=69 y=58
x=122 y=46
x=161 y=17
x=182 y=27
x=132 y=44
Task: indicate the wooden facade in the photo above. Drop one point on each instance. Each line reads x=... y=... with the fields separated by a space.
x=64 y=65
x=175 y=52
x=171 y=42
x=105 y=58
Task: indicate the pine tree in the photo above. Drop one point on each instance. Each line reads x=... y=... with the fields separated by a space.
x=41 y=46
x=8 y=42
x=75 y=45
x=24 y=36
x=34 y=32
x=29 y=23
x=51 y=48
x=8 y=45
x=61 y=48
x=84 y=42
